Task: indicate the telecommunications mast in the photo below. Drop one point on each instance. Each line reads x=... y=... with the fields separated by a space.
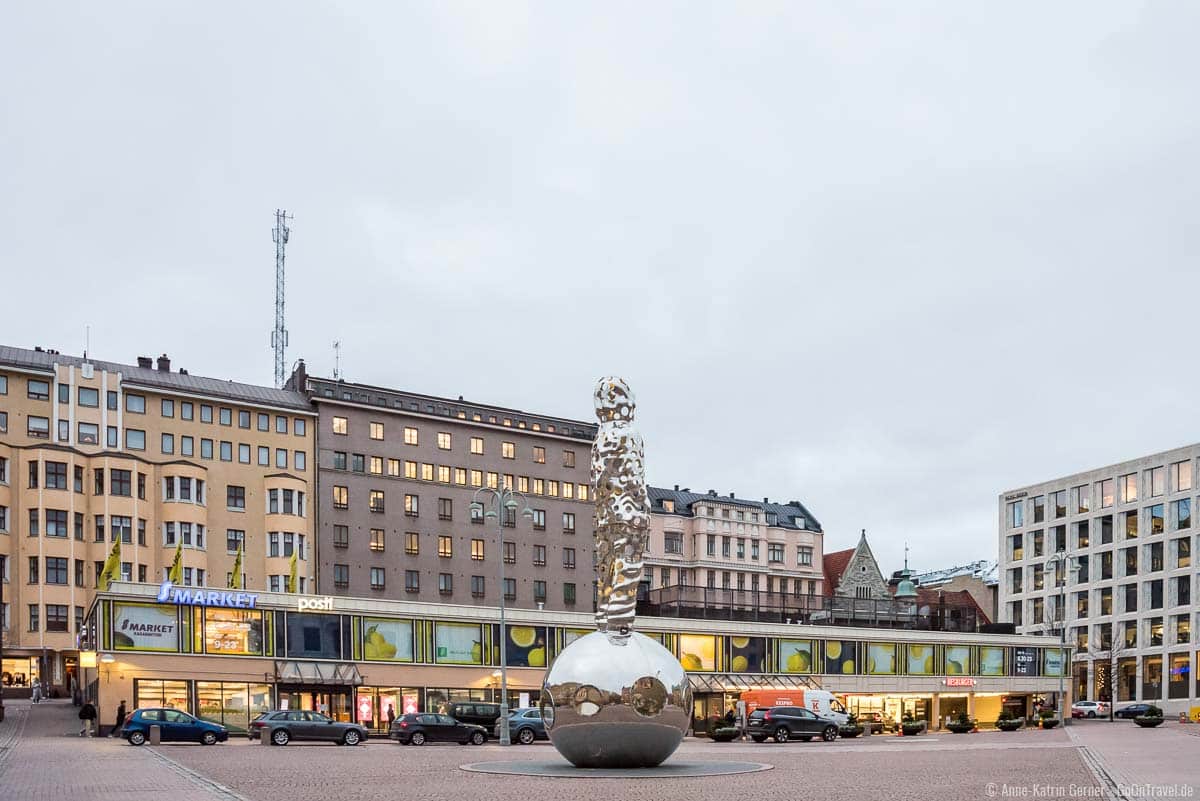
x=279 y=336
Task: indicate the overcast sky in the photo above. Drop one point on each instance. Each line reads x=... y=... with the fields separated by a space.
x=888 y=262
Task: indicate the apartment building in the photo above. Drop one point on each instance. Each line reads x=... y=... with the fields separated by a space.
x=93 y=451
x=1105 y=556
x=717 y=551
x=398 y=475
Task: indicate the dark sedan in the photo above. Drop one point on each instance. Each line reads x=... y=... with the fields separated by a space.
x=524 y=726
x=1132 y=711
x=426 y=727
x=784 y=723
x=173 y=726
x=286 y=725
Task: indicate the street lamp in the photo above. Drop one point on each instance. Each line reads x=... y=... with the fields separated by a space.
x=502 y=503
x=1070 y=565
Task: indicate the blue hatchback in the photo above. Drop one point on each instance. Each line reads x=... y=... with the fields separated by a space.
x=174 y=727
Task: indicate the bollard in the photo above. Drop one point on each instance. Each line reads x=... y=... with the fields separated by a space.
x=155 y=734
x=264 y=735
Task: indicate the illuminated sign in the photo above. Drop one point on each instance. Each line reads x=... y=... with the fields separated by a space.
x=87 y=659
x=960 y=681
x=184 y=596
x=316 y=604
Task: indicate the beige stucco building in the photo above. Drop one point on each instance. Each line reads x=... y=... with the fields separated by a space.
x=92 y=452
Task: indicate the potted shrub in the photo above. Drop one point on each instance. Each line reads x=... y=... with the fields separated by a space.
x=851 y=728
x=1007 y=721
x=962 y=725
x=911 y=727
x=1152 y=718
x=1049 y=718
x=724 y=734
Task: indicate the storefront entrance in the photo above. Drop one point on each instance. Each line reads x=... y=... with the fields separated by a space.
x=332 y=702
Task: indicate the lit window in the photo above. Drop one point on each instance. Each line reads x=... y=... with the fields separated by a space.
x=477 y=550
x=410 y=435
x=341 y=497
x=477 y=445
x=539 y=454
x=377 y=539
x=376 y=431
x=341 y=425
x=445 y=546
x=443 y=440
x=412 y=543
x=376 y=500
x=508 y=450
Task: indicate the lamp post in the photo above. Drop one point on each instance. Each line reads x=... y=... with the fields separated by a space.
x=1069 y=566
x=500 y=501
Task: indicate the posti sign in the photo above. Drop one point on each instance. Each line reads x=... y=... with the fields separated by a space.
x=186 y=596
x=316 y=604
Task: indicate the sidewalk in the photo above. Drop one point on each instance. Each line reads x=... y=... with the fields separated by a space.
x=43 y=758
x=1135 y=756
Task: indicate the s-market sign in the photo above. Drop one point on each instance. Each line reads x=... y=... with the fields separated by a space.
x=186 y=596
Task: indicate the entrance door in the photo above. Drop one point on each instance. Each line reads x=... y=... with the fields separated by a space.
x=331 y=702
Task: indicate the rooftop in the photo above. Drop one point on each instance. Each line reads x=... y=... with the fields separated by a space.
x=42 y=360
x=791 y=515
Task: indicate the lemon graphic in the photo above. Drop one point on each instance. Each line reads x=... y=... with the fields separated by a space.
x=477 y=653
x=691 y=662
x=953 y=668
x=848 y=666
x=928 y=664
x=833 y=650
x=799 y=662
x=918 y=651
x=870 y=664
x=740 y=664
x=537 y=657
x=740 y=642
x=523 y=636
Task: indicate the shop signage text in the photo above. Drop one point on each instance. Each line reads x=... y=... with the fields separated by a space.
x=960 y=681
x=317 y=604
x=1015 y=495
x=168 y=593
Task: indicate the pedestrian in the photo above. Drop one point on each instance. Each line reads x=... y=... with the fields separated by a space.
x=36 y=694
x=120 y=720
x=730 y=716
x=87 y=713
x=391 y=716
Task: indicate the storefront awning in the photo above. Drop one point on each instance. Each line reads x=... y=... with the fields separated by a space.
x=736 y=682
x=296 y=672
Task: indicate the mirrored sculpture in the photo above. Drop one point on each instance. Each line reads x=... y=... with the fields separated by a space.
x=615 y=698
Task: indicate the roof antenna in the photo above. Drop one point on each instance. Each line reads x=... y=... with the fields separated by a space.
x=337 y=360
x=87 y=340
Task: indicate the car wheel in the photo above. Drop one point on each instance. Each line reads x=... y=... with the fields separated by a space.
x=1091 y=713
x=137 y=738
x=525 y=736
x=758 y=738
x=280 y=737
x=352 y=737
x=830 y=734
x=781 y=734
x=418 y=738
x=208 y=738
x=478 y=738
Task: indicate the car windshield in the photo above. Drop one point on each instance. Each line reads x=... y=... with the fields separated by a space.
x=757 y=714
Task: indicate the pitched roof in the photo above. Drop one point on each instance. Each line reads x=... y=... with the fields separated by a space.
x=834 y=565
x=252 y=394
x=786 y=514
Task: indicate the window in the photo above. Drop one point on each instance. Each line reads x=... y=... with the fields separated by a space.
x=341 y=497
x=1183 y=552
x=445 y=584
x=1181 y=513
x=1156 y=481
x=443 y=440
x=377 y=540
x=243 y=418
x=569 y=593
x=1131 y=561
x=1131 y=524
x=56 y=617
x=510 y=589
x=358 y=462
x=300 y=461
x=186 y=411
x=445 y=509
x=673 y=542
x=410 y=435
x=804 y=555
x=206 y=413
x=89 y=397
x=568 y=556
x=341 y=536
x=1015 y=514
x=412 y=543
x=1131 y=597
x=264 y=456
x=234 y=540
x=280 y=457
x=226 y=451
x=477 y=586
x=339 y=460
x=376 y=430
x=775 y=552
x=477 y=446
x=539 y=591
x=1129 y=488
x=56 y=475
x=539 y=519
x=568 y=522
x=539 y=555
x=341 y=425
x=378 y=576
x=443 y=474
x=56 y=523
x=412 y=581
x=235 y=497
x=243 y=453
x=412 y=506
x=298 y=427
x=56 y=570
x=341 y=576
x=376 y=501
x=510 y=553
x=426 y=472
x=1082 y=535
x=168 y=407
x=1038 y=505
x=3 y=385
x=539 y=454
x=168 y=443
x=445 y=546
x=1058 y=500
x=225 y=415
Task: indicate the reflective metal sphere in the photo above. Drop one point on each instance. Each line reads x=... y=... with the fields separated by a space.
x=622 y=704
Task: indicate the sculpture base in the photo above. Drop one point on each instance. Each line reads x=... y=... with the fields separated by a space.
x=668 y=770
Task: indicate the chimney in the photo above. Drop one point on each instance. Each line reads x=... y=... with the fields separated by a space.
x=182 y=371
x=766 y=500
x=677 y=488
x=731 y=495
x=712 y=493
x=145 y=361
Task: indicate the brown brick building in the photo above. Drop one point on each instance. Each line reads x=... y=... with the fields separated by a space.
x=398 y=473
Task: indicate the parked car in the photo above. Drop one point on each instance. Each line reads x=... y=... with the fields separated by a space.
x=426 y=727
x=286 y=725
x=1089 y=709
x=524 y=726
x=785 y=722
x=477 y=712
x=1132 y=711
x=174 y=727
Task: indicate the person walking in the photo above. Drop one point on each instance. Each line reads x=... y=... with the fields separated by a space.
x=87 y=713
x=391 y=716
x=36 y=692
x=116 y=730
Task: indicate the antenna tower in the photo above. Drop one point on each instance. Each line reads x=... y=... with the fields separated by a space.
x=337 y=360
x=279 y=336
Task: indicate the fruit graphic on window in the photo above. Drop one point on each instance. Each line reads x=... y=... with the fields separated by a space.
x=799 y=662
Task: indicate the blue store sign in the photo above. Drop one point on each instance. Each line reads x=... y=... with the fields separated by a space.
x=186 y=596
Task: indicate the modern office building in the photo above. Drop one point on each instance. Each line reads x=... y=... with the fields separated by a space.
x=1105 y=556
x=93 y=451
x=720 y=552
x=398 y=474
